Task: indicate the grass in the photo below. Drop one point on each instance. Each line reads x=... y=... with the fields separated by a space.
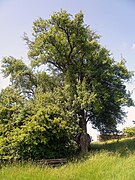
x=124 y=147
x=108 y=161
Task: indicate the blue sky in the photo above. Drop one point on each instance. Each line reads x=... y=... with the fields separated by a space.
x=112 y=19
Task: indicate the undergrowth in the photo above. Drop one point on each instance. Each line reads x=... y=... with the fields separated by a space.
x=106 y=161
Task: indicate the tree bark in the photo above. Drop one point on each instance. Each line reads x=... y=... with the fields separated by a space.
x=84 y=142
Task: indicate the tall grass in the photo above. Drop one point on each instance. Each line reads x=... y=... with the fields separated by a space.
x=111 y=161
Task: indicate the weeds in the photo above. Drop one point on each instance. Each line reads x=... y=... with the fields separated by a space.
x=107 y=161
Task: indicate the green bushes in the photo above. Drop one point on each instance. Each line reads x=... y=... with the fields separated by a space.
x=36 y=129
x=129 y=131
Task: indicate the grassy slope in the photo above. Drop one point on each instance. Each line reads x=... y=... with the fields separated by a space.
x=115 y=160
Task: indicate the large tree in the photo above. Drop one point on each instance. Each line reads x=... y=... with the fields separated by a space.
x=92 y=80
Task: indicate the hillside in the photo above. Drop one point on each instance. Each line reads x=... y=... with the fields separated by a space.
x=110 y=160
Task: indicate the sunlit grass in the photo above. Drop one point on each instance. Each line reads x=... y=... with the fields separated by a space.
x=111 y=161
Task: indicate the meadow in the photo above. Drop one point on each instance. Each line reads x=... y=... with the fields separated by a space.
x=111 y=160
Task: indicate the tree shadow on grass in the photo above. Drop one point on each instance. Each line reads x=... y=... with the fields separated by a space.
x=124 y=147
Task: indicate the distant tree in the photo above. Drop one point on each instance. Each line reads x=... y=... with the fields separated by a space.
x=93 y=82
x=129 y=131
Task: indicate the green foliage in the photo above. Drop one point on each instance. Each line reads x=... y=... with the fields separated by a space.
x=36 y=130
x=21 y=76
x=129 y=131
x=46 y=106
x=95 y=81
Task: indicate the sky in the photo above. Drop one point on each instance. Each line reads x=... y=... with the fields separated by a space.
x=112 y=19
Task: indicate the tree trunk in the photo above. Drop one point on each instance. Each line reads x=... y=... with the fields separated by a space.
x=84 y=142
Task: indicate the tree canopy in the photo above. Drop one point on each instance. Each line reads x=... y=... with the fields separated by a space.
x=78 y=82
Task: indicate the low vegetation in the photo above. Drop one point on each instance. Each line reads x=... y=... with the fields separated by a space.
x=109 y=160
x=129 y=131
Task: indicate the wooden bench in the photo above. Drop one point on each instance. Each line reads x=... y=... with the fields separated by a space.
x=52 y=162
